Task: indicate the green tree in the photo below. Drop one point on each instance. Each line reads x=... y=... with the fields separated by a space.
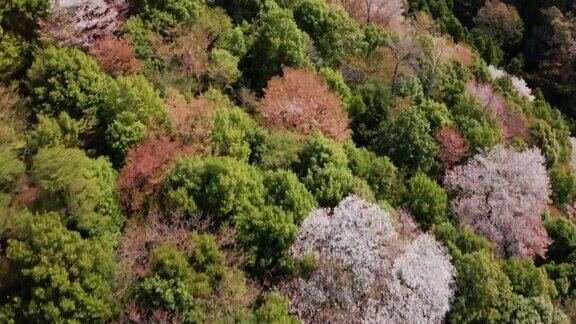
x=50 y=132
x=55 y=275
x=427 y=201
x=14 y=54
x=223 y=69
x=502 y=22
x=221 y=186
x=284 y=189
x=267 y=234
x=537 y=310
x=123 y=133
x=169 y=13
x=484 y=291
x=22 y=16
x=335 y=34
x=436 y=113
x=85 y=189
x=408 y=141
x=235 y=134
x=378 y=171
x=330 y=185
x=337 y=83
x=275 y=309
x=563 y=183
x=545 y=138
x=173 y=285
x=66 y=79
x=320 y=152
x=528 y=280
x=277 y=42
x=11 y=169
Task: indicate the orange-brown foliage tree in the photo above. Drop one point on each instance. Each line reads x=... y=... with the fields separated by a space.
x=143 y=170
x=453 y=147
x=192 y=121
x=116 y=56
x=301 y=101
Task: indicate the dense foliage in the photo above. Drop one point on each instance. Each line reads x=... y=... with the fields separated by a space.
x=285 y=161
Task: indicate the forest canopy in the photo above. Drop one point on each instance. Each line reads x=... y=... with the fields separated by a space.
x=287 y=161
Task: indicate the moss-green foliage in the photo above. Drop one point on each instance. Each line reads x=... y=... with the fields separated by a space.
x=528 y=280
x=66 y=79
x=460 y=241
x=279 y=151
x=14 y=51
x=334 y=32
x=275 y=310
x=368 y=110
x=542 y=110
x=563 y=183
x=11 y=168
x=436 y=113
x=545 y=138
x=83 y=189
x=277 y=42
x=337 y=83
x=284 y=189
x=408 y=141
x=537 y=310
x=264 y=207
x=561 y=266
x=268 y=234
x=222 y=187
x=236 y=135
x=223 y=69
x=331 y=185
x=22 y=16
x=169 y=13
x=323 y=168
x=50 y=132
x=131 y=107
x=141 y=38
x=320 y=152
x=484 y=291
x=377 y=171
x=426 y=200
x=135 y=94
x=480 y=135
x=173 y=285
x=55 y=275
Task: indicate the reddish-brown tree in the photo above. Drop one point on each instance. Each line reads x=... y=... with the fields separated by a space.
x=116 y=56
x=143 y=170
x=301 y=101
x=453 y=147
x=192 y=121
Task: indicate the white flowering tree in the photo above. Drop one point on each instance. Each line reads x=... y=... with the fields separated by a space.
x=367 y=271
x=502 y=194
x=519 y=84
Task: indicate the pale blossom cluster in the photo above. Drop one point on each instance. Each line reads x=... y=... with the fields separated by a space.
x=573 y=156
x=519 y=84
x=418 y=290
x=502 y=194
x=84 y=21
x=367 y=271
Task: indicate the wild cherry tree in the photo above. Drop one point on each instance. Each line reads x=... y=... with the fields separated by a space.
x=367 y=271
x=302 y=101
x=501 y=194
x=82 y=22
